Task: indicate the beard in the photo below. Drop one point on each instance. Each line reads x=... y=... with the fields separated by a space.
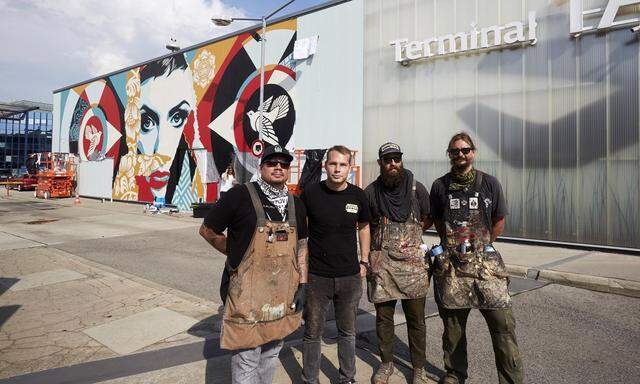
x=459 y=167
x=392 y=180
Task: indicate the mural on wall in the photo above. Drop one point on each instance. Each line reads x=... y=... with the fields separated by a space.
x=174 y=125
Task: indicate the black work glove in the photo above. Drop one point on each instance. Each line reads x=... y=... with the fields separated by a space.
x=300 y=298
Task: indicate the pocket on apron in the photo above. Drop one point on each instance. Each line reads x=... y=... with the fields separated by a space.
x=493 y=263
x=441 y=264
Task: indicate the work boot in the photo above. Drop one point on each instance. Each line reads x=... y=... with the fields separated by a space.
x=383 y=373
x=450 y=378
x=420 y=377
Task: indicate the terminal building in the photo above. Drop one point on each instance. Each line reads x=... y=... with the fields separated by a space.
x=548 y=90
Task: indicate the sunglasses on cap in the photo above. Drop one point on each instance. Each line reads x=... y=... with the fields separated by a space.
x=455 y=151
x=274 y=163
x=390 y=159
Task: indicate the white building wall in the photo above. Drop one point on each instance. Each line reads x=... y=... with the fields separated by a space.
x=329 y=86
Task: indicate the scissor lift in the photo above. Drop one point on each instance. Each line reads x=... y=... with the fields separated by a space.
x=56 y=175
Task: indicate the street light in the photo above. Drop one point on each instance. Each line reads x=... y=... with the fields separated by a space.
x=223 y=22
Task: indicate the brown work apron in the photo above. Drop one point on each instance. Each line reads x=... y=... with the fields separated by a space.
x=398 y=267
x=258 y=306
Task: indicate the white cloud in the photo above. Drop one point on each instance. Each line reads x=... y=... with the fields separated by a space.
x=52 y=43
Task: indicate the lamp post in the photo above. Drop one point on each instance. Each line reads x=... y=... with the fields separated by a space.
x=223 y=22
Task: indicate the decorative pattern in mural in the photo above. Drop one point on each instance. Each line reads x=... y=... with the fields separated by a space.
x=174 y=124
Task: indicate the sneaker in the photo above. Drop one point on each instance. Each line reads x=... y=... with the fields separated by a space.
x=383 y=373
x=420 y=376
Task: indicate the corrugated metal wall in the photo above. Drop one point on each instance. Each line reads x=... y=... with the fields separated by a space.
x=557 y=122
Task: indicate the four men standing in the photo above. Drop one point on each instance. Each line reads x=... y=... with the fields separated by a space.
x=265 y=287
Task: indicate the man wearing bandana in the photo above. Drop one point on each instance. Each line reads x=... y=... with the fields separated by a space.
x=265 y=277
x=400 y=212
x=469 y=209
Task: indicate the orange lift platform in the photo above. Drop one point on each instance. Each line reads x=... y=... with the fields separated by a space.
x=56 y=174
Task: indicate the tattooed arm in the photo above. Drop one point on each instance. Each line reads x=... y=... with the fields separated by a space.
x=217 y=240
x=303 y=255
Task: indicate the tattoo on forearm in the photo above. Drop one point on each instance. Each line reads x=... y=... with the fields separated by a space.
x=302 y=254
x=216 y=240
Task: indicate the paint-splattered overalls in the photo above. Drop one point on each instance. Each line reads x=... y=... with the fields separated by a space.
x=261 y=289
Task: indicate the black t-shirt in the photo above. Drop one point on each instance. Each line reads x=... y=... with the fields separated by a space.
x=333 y=249
x=419 y=210
x=490 y=188
x=234 y=212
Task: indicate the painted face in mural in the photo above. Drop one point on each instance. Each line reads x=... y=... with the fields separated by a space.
x=167 y=99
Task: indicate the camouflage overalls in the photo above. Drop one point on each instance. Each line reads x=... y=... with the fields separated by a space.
x=398 y=267
x=399 y=272
x=469 y=274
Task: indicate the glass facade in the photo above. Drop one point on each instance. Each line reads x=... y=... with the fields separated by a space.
x=557 y=122
x=21 y=137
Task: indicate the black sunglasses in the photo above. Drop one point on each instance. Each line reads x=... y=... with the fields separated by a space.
x=455 y=151
x=389 y=159
x=274 y=163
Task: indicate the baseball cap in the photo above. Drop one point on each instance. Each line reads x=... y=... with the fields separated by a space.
x=275 y=150
x=388 y=149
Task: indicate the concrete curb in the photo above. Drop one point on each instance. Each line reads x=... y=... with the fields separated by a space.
x=593 y=283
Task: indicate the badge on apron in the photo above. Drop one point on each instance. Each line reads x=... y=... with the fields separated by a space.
x=473 y=203
x=282 y=236
x=454 y=204
x=351 y=208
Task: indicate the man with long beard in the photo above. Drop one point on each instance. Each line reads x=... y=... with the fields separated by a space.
x=468 y=208
x=400 y=212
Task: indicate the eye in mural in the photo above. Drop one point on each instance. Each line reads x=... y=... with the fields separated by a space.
x=173 y=123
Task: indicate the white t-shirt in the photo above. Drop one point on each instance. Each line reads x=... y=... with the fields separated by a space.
x=227 y=182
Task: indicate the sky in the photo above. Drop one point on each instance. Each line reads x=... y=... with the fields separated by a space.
x=48 y=44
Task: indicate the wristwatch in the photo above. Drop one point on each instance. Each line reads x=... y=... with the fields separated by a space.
x=365 y=263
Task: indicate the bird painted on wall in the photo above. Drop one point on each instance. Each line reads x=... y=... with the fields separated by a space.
x=270 y=113
x=92 y=134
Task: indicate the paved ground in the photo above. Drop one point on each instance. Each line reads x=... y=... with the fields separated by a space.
x=101 y=292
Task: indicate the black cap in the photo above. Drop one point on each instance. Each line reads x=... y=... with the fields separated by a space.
x=388 y=149
x=275 y=150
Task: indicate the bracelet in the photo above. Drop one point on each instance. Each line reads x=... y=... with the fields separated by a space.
x=365 y=263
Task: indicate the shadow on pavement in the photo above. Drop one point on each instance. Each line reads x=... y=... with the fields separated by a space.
x=6 y=312
x=209 y=329
x=6 y=283
x=291 y=365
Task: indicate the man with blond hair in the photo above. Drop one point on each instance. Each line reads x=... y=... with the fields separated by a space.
x=337 y=211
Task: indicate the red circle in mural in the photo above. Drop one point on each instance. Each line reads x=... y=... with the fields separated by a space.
x=257 y=147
